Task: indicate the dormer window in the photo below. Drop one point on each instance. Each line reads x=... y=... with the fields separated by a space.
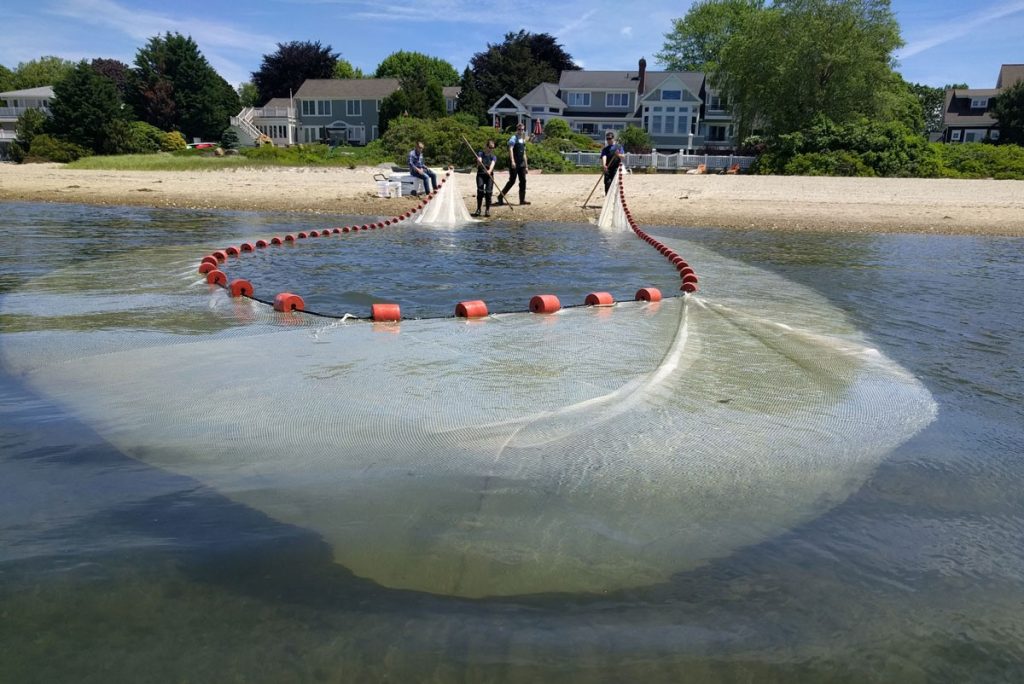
x=579 y=99
x=616 y=100
x=979 y=103
x=671 y=94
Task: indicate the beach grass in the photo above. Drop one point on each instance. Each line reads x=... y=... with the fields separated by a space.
x=302 y=155
x=163 y=161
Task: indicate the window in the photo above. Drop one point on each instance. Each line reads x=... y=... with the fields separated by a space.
x=979 y=102
x=353 y=107
x=971 y=136
x=616 y=100
x=670 y=125
x=716 y=133
x=717 y=102
x=955 y=135
x=656 y=124
x=316 y=107
x=373 y=132
x=586 y=128
x=993 y=135
x=537 y=110
x=671 y=95
x=579 y=99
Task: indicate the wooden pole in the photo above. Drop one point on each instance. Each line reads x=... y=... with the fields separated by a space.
x=495 y=183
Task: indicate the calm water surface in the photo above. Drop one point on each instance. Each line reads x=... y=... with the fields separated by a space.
x=113 y=571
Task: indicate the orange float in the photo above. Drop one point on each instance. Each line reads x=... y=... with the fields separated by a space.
x=206 y=267
x=220 y=255
x=648 y=294
x=246 y=247
x=275 y=241
x=385 y=312
x=231 y=251
x=260 y=244
x=286 y=301
x=472 y=309
x=240 y=288
x=599 y=299
x=216 y=277
x=545 y=304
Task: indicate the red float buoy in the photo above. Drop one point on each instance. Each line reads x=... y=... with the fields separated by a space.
x=260 y=244
x=220 y=255
x=286 y=301
x=206 y=267
x=385 y=312
x=648 y=294
x=275 y=240
x=246 y=247
x=240 y=288
x=364 y=227
x=689 y=287
x=231 y=251
x=685 y=271
x=289 y=238
x=472 y=309
x=599 y=299
x=690 y=278
x=216 y=277
x=209 y=260
x=545 y=304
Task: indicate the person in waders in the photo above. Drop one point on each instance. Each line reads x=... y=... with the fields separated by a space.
x=485 y=160
x=518 y=165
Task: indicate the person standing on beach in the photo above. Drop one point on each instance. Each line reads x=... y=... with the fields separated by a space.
x=485 y=161
x=418 y=168
x=518 y=165
x=611 y=156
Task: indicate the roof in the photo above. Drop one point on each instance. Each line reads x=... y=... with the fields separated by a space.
x=451 y=92
x=347 y=88
x=976 y=92
x=1010 y=74
x=544 y=95
x=626 y=80
x=41 y=91
x=277 y=103
x=957 y=111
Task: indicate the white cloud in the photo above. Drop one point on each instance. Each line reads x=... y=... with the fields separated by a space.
x=959 y=27
x=627 y=31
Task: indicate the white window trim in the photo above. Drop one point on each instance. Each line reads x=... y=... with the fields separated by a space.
x=955 y=135
x=353 y=107
x=573 y=96
x=673 y=99
x=979 y=102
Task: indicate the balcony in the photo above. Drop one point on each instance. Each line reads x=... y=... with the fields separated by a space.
x=12 y=113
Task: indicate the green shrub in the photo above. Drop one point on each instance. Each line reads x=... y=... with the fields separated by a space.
x=635 y=140
x=131 y=137
x=229 y=139
x=173 y=142
x=557 y=128
x=841 y=163
x=48 y=148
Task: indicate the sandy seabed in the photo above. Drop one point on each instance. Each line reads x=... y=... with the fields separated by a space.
x=722 y=201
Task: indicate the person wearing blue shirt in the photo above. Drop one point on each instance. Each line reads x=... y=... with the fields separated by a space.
x=418 y=168
x=518 y=165
x=485 y=160
x=611 y=156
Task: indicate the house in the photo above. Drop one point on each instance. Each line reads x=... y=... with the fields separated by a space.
x=325 y=110
x=13 y=104
x=967 y=112
x=677 y=109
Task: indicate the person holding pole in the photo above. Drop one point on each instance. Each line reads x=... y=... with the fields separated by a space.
x=485 y=161
x=611 y=156
x=518 y=165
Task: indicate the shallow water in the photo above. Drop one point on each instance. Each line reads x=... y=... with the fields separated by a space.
x=112 y=570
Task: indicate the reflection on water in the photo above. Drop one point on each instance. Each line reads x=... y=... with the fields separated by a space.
x=111 y=570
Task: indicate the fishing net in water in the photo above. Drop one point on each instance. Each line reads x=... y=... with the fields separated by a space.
x=585 y=451
x=447 y=210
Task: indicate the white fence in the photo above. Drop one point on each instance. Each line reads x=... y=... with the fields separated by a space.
x=666 y=162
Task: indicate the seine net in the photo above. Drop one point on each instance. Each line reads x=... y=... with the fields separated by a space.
x=585 y=451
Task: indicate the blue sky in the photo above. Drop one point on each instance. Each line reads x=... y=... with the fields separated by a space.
x=947 y=41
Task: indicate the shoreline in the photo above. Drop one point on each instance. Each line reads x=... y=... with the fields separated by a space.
x=790 y=203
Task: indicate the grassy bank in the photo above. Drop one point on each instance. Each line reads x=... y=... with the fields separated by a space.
x=299 y=155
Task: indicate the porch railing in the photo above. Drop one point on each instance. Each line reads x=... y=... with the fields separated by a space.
x=666 y=162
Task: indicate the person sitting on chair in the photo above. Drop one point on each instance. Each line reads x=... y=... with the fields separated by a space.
x=419 y=169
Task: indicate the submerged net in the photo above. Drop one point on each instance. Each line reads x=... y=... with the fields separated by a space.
x=586 y=451
x=613 y=214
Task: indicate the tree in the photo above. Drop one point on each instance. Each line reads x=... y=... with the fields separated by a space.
x=418 y=96
x=344 y=69
x=30 y=123
x=45 y=71
x=84 y=107
x=248 y=96
x=175 y=88
x=800 y=58
x=471 y=102
x=696 y=41
x=404 y=64
x=518 y=64
x=932 y=100
x=7 y=79
x=1008 y=110
x=283 y=72
x=116 y=71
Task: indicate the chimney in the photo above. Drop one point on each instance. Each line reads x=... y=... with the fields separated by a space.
x=643 y=77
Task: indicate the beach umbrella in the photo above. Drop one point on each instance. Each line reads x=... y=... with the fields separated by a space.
x=537 y=128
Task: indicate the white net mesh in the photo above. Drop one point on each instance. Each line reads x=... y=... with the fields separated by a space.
x=613 y=214
x=447 y=210
x=590 y=450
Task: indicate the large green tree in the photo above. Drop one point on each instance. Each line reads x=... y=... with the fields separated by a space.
x=283 y=72
x=45 y=71
x=7 y=79
x=471 y=102
x=85 y=105
x=798 y=59
x=518 y=64
x=1008 y=110
x=696 y=41
x=344 y=69
x=175 y=88
x=418 y=96
x=403 y=64
x=116 y=70
x=248 y=96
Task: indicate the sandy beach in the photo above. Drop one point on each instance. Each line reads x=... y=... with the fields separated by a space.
x=986 y=207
